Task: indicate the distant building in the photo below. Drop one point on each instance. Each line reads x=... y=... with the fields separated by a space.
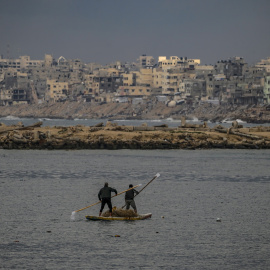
x=6 y=97
x=266 y=90
x=56 y=91
x=146 y=61
x=235 y=66
x=175 y=61
x=264 y=64
x=137 y=90
x=19 y=64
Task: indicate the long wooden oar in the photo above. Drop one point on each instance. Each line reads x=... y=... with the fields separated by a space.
x=73 y=213
x=156 y=176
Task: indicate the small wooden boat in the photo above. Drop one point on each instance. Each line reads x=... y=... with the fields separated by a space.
x=139 y=217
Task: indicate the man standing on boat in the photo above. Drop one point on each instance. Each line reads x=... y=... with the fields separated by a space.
x=104 y=196
x=129 y=198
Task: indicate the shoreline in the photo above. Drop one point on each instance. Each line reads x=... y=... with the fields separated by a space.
x=114 y=137
x=122 y=111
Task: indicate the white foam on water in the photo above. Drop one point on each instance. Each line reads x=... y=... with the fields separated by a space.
x=195 y=119
x=240 y=121
x=230 y=121
x=72 y=217
x=44 y=119
x=170 y=119
x=226 y=121
x=10 y=117
x=156 y=120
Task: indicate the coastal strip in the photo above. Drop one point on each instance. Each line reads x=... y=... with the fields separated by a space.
x=113 y=136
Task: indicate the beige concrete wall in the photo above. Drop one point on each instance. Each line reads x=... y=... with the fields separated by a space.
x=174 y=61
x=129 y=79
x=56 y=90
x=5 y=94
x=134 y=91
x=158 y=76
x=144 y=77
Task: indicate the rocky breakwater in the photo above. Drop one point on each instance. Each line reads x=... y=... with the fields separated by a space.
x=112 y=136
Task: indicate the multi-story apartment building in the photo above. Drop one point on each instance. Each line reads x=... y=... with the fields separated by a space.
x=129 y=79
x=134 y=91
x=56 y=91
x=193 y=88
x=20 y=96
x=233 y=67
x=266 y=89
x=96 y=85
x=172 y=78
x=19 y=64
x=175 y=61
x=6 y=97
x=144 y=77
x=264 y=64
x=145 y=61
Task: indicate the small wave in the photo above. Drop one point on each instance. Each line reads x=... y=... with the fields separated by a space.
x=195 y=119
x=240 y=121
x=229 y=121
x=10 y=117
x=226 y=121
x=44 y=119
x=172 y=120
x=157 y=120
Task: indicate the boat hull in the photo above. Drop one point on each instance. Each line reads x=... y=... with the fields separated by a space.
x=140 y=217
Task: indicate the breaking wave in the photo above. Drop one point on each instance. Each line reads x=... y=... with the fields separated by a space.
x=10 y=117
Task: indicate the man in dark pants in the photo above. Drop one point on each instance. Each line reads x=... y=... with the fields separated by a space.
x=129 y=198
x=104 y=196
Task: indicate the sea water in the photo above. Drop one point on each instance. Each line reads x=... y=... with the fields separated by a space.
x=11 y=120
x=210 y=209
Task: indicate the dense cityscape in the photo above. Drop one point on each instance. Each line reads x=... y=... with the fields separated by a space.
x=171 y=80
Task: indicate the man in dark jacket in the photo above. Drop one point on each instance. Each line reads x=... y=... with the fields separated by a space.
x=104 y=196
x=129 y=198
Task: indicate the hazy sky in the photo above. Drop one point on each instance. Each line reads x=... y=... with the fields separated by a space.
x=104 y=31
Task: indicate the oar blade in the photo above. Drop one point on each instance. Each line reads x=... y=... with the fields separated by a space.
x=72 y=217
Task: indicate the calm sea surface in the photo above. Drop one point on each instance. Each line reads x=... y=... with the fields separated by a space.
x=40 y=189
x=11 y=120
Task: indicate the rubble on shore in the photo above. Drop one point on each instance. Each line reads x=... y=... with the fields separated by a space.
x=149 y=111
x=113 y=136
